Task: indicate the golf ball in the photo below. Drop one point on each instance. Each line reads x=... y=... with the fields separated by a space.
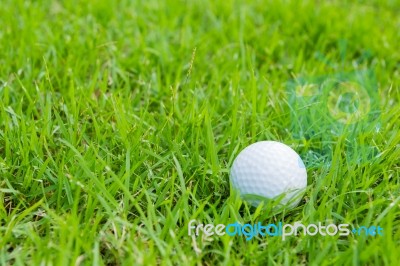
x=268 y=170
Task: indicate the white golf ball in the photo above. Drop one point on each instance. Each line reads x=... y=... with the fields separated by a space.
x=268 y=170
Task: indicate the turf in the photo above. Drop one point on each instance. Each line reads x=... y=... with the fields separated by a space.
x=119 y=122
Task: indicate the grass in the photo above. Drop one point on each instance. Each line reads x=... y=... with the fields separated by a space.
x=119 y=123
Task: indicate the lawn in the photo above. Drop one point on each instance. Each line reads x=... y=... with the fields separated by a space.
x=120 y=120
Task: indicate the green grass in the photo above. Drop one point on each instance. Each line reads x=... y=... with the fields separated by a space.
x=119 y=123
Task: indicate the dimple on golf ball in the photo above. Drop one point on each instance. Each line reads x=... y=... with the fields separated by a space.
x=269 y=170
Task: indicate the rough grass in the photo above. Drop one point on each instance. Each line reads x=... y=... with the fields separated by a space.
x=119 y=123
